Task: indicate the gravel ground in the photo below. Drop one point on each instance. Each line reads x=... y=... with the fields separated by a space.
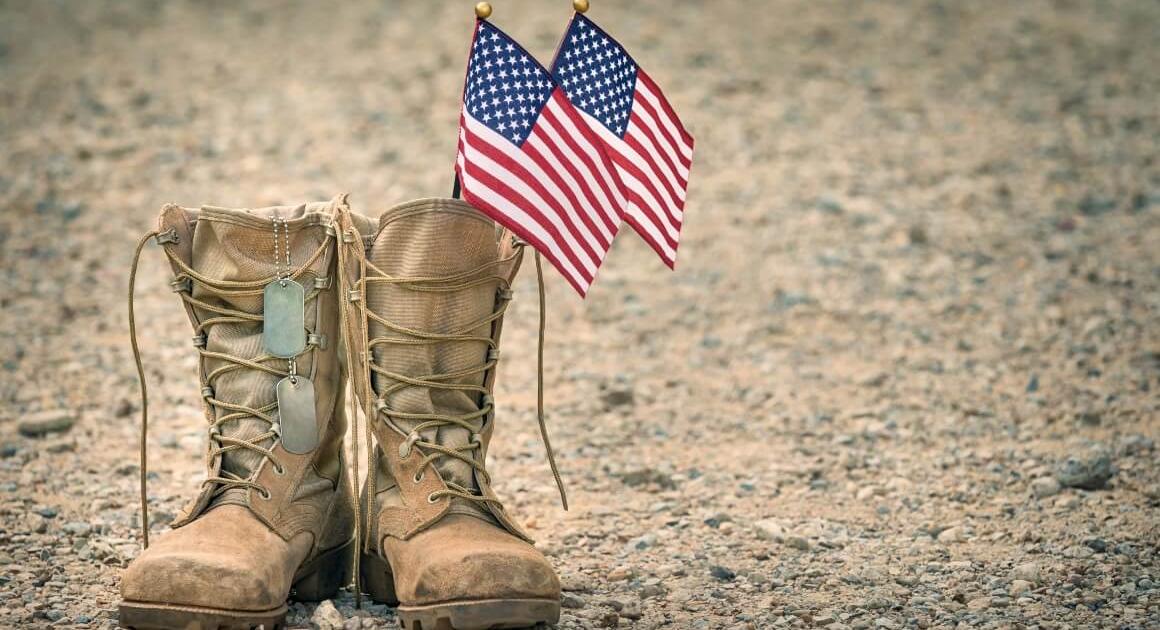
x=904 y=376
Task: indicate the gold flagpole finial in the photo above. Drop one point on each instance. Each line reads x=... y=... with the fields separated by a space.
x=483 y=10
x=581 y=6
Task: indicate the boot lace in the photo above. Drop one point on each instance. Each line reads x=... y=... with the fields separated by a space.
x=219 y=444
x=376 y=406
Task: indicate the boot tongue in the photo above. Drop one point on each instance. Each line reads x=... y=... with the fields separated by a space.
x=238 y=246
x=435 y=239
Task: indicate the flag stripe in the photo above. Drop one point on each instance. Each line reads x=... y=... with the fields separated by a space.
x=577 y=191
x=631 y=163
x=649 y=127
x=496 y=173
x=650 y=91
x=647 y=229
x=578 y=136
x=480 y=189
x=596 y=188
x=643 y=108
x=660 y=180
x=503 y=211
x=641 y=196
x=545 y=185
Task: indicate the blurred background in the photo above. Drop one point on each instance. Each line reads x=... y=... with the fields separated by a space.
x=904 y=375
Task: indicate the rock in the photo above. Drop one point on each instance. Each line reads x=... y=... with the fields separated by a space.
x=724 y=574
x=619 y=395
x=769 y=529
x=1028 y=571
x=630 y=609
x=979 y=603
x=619 y=573
x=572 y=601
x=1097 y=545
x=1089 y=469
x=42 y=423
x=952 y=535
x=1044 y=487
x=1019 y=587
x=798 y=542
x=327 y=617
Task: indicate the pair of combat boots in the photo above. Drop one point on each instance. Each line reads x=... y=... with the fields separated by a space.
x=407 y=312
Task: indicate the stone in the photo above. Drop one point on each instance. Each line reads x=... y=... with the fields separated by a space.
x=572 y=601
x=327 y=617
x=798 y=542
x=619 y=573
x=1089 y=469
x=769 y=529
x=1019 y=587
x=724 y=574
x=1028 y=571
x=952 y=535
x=979 y=603
x=45 y=422
x=1045 y=487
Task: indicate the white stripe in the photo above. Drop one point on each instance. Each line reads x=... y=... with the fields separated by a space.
x=517 y=184
x=646 y=141
x=666 y=203
x=521 y=218
x=521 y=158
x=608 y=207
x=665 y=145
x=565 y=173
x=646 y=199
x=648 y=225
x=678 y=137
x=592 y=151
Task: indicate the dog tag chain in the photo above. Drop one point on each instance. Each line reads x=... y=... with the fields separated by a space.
x=284 y=335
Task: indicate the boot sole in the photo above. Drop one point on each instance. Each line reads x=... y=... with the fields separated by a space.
x=485 y=614
x=319 y=579
x=480 y=615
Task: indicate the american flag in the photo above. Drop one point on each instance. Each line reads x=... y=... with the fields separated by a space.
x=642 y=134
x=529 y=161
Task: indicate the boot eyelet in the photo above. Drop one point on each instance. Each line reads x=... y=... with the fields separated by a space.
x=418 y=478
x=431 y=498
x=263 y=494
x=278 y=470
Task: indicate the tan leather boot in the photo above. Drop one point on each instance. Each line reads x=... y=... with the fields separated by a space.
x=274 y=516
x=429 y=309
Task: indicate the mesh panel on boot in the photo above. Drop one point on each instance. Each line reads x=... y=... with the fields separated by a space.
x=434 y=244
x=232 y=245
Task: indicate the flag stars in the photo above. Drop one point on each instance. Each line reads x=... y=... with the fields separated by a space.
x=597 y=74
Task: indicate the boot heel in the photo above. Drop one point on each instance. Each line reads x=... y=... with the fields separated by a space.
x=325 y=575
x=377 y=580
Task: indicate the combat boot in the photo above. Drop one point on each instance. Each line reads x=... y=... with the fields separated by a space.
x=426 y=307
x=274 y=517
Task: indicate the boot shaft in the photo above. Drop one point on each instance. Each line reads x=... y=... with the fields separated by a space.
x=222 y=260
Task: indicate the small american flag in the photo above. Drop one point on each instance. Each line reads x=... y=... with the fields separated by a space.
x=642 y=134
x=529 y=161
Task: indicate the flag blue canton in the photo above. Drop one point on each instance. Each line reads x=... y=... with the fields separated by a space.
x=597 y=74
x=506 y=87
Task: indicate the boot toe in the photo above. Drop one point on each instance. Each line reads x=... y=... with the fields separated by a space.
x=225 y=560
x=464 y=558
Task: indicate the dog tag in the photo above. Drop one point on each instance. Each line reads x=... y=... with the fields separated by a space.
x=284 y=318
x=296 y=414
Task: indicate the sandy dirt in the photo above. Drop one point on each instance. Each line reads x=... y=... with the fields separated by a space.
x=904 y=376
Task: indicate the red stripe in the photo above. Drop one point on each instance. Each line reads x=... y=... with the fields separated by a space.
x=534 y=154
x=499 y=217
x=533 y=182
x=580 y=178
x=626 y=164
x=640 y=230
x=517 y=199
x=642 y=102
x=642 y=153
x=636 y=123
x=592 y=141
x=647 y=80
